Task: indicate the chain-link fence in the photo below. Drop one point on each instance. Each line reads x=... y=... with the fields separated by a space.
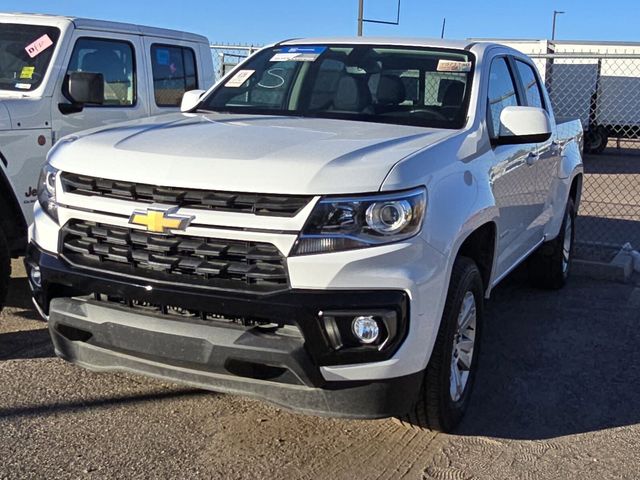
x=226 y=57
x=603 y=91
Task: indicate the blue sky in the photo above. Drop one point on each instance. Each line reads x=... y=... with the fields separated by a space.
x=262 y=21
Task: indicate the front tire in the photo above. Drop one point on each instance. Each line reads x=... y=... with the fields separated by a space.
x=550 y=265
x=449 y=376
x=5 y=268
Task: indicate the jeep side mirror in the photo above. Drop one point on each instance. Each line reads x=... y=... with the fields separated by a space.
x=82 y=88
x=520 y=125
x=190 y=99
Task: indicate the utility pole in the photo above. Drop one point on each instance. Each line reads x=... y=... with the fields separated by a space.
x=362 y=20
x=444 y=24
x=553 y=29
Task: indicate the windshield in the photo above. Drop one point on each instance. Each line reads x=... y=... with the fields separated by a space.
x=399 y=85
x=25 y=53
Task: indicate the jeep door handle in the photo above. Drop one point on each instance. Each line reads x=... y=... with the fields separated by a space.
x=532 y=158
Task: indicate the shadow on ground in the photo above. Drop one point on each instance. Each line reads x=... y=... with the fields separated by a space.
x=25 y=344
x=19 y=298
x=71 y=406
x=557 y=363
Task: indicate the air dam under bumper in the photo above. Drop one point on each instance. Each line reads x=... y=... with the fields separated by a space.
x=105 y=338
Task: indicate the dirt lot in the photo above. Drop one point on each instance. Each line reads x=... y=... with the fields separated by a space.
x=557 y=397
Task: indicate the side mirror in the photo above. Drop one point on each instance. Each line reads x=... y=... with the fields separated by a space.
x=520 y=125
x=86 y=87
x=190 y=99
x=82 y=88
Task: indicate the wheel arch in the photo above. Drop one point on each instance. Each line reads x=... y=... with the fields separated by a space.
x=480 y=245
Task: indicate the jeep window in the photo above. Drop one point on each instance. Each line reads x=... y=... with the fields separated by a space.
x=502 y=93
x=399 y=85
x=114 y=60
x=174 y=72
x=25 y=54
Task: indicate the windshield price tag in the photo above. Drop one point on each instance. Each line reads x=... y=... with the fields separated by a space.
x=239 y=78
x=37 y=47
x=298 y=54
x=453 y=66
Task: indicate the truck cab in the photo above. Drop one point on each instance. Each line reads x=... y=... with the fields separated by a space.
x=48 y=66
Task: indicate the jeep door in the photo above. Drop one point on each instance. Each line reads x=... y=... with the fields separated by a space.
x=118 y=57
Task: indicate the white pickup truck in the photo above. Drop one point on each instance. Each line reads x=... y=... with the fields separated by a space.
x=59 y=75
x=318 y=230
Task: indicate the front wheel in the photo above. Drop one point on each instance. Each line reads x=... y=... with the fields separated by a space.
x=450 y=374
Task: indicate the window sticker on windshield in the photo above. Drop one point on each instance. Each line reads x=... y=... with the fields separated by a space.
x=23 y=86
x=239 y=78
x=37 y=47
x=27 y=73
x=453 y=66
x=298 y=54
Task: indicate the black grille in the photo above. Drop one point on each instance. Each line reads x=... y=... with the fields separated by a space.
x=189 y=313
x=227 y=264
x=259 y=204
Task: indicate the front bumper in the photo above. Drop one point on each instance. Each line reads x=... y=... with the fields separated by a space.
x=102 y=339
x=282 y=365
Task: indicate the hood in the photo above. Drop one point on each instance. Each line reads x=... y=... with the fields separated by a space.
x=245 y=153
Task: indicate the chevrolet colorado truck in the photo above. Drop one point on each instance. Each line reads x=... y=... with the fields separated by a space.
x=318 y=230
x=47 y=64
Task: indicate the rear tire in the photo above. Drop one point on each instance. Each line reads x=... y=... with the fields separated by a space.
x=444 y=397
x=550 y=266
x=596 y=140
x=5 y=268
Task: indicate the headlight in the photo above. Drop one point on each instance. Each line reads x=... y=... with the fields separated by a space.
x=341 y=223
x=47 y=190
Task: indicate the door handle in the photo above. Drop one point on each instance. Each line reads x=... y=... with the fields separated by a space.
x=532 y=158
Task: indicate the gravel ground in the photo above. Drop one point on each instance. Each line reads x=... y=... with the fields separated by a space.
x=556 y=397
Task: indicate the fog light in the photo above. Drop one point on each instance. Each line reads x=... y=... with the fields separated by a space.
x=36 y=276
x=366 y=329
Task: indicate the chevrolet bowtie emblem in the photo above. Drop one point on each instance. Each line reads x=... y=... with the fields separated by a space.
x=160 y=220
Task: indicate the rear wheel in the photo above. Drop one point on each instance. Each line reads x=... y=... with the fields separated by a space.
x=595 y=140
x=550 y=265
x=5 y=268
x=450 y=374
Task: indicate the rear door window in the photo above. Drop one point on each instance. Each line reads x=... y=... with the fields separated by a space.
x=174 y=72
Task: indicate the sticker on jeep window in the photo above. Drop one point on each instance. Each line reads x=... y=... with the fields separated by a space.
x=27 y=73
x=453 y=66
x=298 y=54
x=163 y=56
x=239 y=78
x=41 y=44
x=23 y=86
